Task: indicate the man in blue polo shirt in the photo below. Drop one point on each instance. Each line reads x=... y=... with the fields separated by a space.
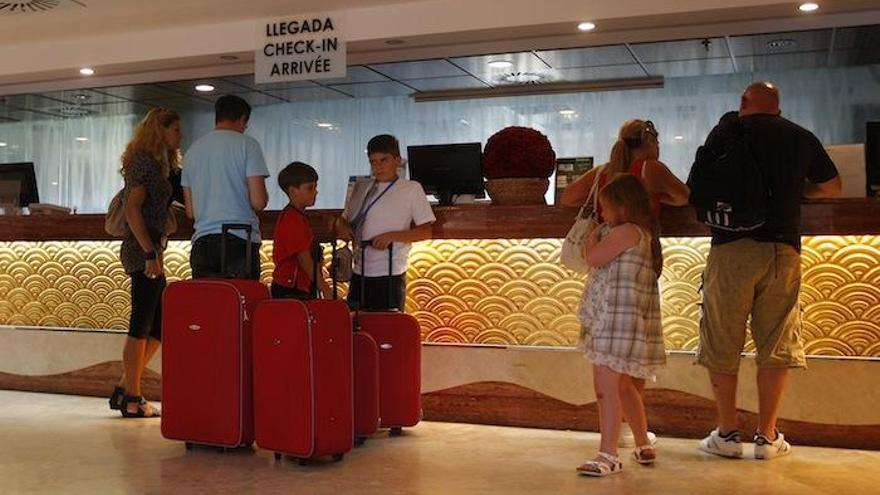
x=224 y=181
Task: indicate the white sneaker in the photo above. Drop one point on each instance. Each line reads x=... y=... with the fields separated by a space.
x=628 y=440
x=725 y=446
x=765 y=449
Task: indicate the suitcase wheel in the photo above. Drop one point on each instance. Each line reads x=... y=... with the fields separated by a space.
x=303 y=462
x=338 y=457
x=396 y=431
x=189 y=445
x=358 y=441
x=277 y=456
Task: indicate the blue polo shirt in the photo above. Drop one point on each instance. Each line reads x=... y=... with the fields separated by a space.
x=215 y=169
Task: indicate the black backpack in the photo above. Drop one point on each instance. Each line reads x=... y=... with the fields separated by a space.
x=728 y=190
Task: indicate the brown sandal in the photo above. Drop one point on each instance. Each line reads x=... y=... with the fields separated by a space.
x=644 y=455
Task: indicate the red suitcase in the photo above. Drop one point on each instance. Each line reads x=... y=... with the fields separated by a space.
x=399 y=339
x=303 y=378
x=366 y=373
x=206 y=360
x=366 y=386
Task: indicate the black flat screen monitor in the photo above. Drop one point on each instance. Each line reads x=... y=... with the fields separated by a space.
x=872 y=158
x=18 y=177
x=446 y=170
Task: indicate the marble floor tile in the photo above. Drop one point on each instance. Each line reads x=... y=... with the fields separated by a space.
x=66 y=444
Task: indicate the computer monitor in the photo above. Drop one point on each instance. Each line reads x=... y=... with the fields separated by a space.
x=446 y=170
x=872 y=158
x=18 y=184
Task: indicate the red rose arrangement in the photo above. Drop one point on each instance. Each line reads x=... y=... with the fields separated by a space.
x=518 y=152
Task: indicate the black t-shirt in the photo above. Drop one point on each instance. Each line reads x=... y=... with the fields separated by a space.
x=789 y=155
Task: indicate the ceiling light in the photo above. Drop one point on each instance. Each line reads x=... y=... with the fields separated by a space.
x=567 y=112
x=82 y=139
x=87 y=71
x=500 y=64
x=204 y=88
x=3 y=145
x=539 y=89
x=523 y=77
x=781 y=43
x=586 y=26
x=809 y=7
x=54 y=183
x=325 y=125
x=678 y=138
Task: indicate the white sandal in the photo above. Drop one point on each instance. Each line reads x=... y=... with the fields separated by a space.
x=602 y=465
x=644 y=455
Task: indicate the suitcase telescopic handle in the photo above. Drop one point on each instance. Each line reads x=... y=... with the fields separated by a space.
x=364 y=246
x=224 y=262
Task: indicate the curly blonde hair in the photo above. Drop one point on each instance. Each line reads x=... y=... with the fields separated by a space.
x=149 y=140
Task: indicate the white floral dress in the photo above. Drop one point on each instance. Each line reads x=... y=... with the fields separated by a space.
x=620 y=313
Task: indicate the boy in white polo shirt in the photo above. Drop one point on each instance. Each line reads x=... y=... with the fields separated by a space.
x=394 y=212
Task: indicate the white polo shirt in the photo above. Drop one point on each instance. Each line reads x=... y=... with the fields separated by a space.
x=401 y=207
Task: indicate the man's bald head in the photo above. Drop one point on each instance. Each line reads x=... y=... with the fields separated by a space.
x=760 y=98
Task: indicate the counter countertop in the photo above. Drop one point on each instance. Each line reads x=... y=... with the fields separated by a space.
x=479 y=221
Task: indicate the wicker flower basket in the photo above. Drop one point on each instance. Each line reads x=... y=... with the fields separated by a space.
x=519 y=191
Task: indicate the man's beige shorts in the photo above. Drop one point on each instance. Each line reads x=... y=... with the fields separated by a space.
x=761 y=279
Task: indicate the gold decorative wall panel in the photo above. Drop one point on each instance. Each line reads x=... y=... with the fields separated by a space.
x=507 y=292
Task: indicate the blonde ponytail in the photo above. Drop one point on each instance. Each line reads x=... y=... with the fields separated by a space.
x=620 y=159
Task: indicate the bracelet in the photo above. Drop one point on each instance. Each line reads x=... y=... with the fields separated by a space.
x=150 y=256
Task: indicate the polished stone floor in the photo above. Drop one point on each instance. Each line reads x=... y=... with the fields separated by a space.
x=64 y=444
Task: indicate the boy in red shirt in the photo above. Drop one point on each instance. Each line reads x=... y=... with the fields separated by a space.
x=292 y=245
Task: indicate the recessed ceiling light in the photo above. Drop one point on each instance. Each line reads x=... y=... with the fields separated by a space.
x=325 y=125
x=523 y=77
x=204 y=88
x=82 y=139
x=678 y=138
x=500 y=64
x=567 y=112
x=87 y=71
x=809 y=7
x=2 y=144
x=781 y=43
x=54 y=183
x=586 y=26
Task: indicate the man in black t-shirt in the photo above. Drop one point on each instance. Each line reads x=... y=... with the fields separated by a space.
x=757 y=274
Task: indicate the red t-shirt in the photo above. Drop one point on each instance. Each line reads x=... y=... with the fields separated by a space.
x=635 y=169
x=293 y=235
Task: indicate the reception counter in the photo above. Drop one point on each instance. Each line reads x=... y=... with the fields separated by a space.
x=497 y=314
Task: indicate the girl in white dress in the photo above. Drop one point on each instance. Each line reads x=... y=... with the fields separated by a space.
x=620 y=317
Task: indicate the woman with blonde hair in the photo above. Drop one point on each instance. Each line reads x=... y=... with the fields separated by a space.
x=636 y=152
x=150 y=166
